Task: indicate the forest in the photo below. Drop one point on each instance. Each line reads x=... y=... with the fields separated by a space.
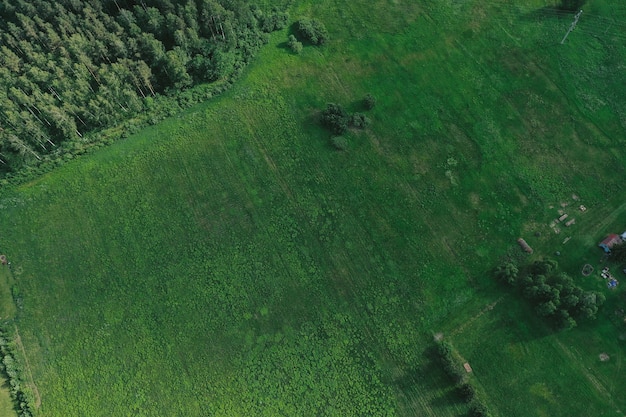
x=71 y=67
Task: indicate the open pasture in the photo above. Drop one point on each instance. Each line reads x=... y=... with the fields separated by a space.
x=230 y=262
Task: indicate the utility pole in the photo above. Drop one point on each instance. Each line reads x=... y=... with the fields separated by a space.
x=573 y=25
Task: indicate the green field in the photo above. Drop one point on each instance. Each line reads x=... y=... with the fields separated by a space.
x=230 y=262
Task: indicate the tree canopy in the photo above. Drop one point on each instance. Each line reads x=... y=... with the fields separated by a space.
x=553 y=293
x=69 y=67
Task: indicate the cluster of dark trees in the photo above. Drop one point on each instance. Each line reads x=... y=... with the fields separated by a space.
x=68 y=67
x=618 y=253
x=464 y=387
x=12 y=371
x=553 y=293
x=338 y=120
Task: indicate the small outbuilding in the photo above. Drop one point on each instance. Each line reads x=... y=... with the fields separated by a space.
x=610 y=241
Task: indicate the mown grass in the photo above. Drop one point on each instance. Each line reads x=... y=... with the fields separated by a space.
x=229 y=261
x=6 y=403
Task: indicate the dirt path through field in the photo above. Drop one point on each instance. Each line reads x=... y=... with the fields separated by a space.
x=18 y=341
x=487 y=308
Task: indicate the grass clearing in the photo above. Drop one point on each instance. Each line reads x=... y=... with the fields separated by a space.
x=228 y=261
x=6 y=403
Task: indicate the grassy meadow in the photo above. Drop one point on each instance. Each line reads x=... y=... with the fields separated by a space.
x=230 y=262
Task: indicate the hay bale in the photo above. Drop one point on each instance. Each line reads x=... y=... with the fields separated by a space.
x=525 y=247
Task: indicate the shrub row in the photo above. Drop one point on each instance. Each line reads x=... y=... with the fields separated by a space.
x=464 y=387
x=12 y=371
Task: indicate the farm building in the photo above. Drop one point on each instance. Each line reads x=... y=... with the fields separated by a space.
x=610 y=241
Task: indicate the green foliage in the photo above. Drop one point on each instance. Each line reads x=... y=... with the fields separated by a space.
x=451 y=363
x=335 y=118
x=148 y=265
x=369 y=102
x=467 y=392
x=273 y=21
x=618 y=253
x=312 y=31
x=359 y=121
x=338 y=120
x=295 y=45
x=69 y=71
x=554 y=294
x=13 y=372
x=507 y=273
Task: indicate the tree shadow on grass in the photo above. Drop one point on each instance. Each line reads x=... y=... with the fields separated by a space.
x=284 y=46
x=548 y=13
x=429 y=372
x=565 y=10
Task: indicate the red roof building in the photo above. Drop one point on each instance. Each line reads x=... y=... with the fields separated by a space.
x=610 y=241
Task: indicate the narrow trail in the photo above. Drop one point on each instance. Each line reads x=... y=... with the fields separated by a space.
x=487 y=308
x=18 y=341
x=593 y=380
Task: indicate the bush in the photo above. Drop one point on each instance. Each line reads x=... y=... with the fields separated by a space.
x=312 y=30
x=450 y=363
x=359 y=120
x=467 y=392
x=369 y=102
x=478 y=409
x=444 y=350
x=276 y=20
x=507 y=273
x=295 y=45
x=335 y=118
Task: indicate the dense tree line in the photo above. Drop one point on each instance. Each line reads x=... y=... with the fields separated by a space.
x=553 y=293
x=69 y=67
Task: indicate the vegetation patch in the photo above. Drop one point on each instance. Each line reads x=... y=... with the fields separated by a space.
x=460 y=375
x=312 y=31
x=71 y=69
x=21 y=396
x=552 y=292
x=222 y=261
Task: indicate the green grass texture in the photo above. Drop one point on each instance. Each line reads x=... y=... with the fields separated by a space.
x=230 y=262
